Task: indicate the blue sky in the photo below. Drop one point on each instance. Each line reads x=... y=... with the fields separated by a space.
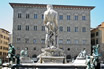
x=6 y=11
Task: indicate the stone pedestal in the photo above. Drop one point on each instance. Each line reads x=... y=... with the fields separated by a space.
x=52 y=55
x=52 y=59
x=49 y=66
x=80 y=60
x=26 y=60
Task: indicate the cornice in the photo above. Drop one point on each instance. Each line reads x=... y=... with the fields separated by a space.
x=54 y=6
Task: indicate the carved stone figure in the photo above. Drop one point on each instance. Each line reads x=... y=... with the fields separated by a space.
x=25 y=52
x=82 y=53
x=51 y=53
x=51 y=26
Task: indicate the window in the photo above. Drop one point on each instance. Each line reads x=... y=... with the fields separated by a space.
x=68 y=49
x=35 y=28
x=19 y=27
x=76 y=29
x=34 y=48
x=68 y=29
x=97 y=33
x=34 y=56
x=60 y=28
x=42 y=16
x=83 y=17
x=68 y=17
x=93 y=42
x=1 y=35
x=42 y=41
x=27 y=16
x=93 y=35
x=4 y=53
x=27 y=27
x=97 y=41
x=18 y=39
x=68 y=57
x=0 y=47
x=68 y=41
x=84 y=41
x=60 y=41
x=35 y=16
x=83 y=29
x=43 y=28
x=76 y=17
x=34 y=41
x=26 y=40
x=76 y=41
x=8 y=39
x=4 y=37
x=60 y=17
x=19 y=15
x=0 y=53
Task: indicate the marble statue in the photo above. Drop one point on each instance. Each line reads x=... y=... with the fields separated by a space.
x=11 y=53
x=81 y=58
x=24 y=53
x=51 y=53
x=51 y=26
x=82 y=54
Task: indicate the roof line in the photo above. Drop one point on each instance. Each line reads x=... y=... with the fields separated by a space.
x=44 y=5
x=4 y=30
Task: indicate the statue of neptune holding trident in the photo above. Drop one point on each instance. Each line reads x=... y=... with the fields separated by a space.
x=51 y=26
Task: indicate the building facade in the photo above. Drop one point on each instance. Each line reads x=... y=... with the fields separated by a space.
x=4 y=40
x=97 y=37
x=10 y=38
x=29 y=30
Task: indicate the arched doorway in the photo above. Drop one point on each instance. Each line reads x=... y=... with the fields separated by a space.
x=68 y=57
x=34 y=56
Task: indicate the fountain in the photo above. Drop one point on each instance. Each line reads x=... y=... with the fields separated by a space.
x=52 y=57
x=52 y=53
